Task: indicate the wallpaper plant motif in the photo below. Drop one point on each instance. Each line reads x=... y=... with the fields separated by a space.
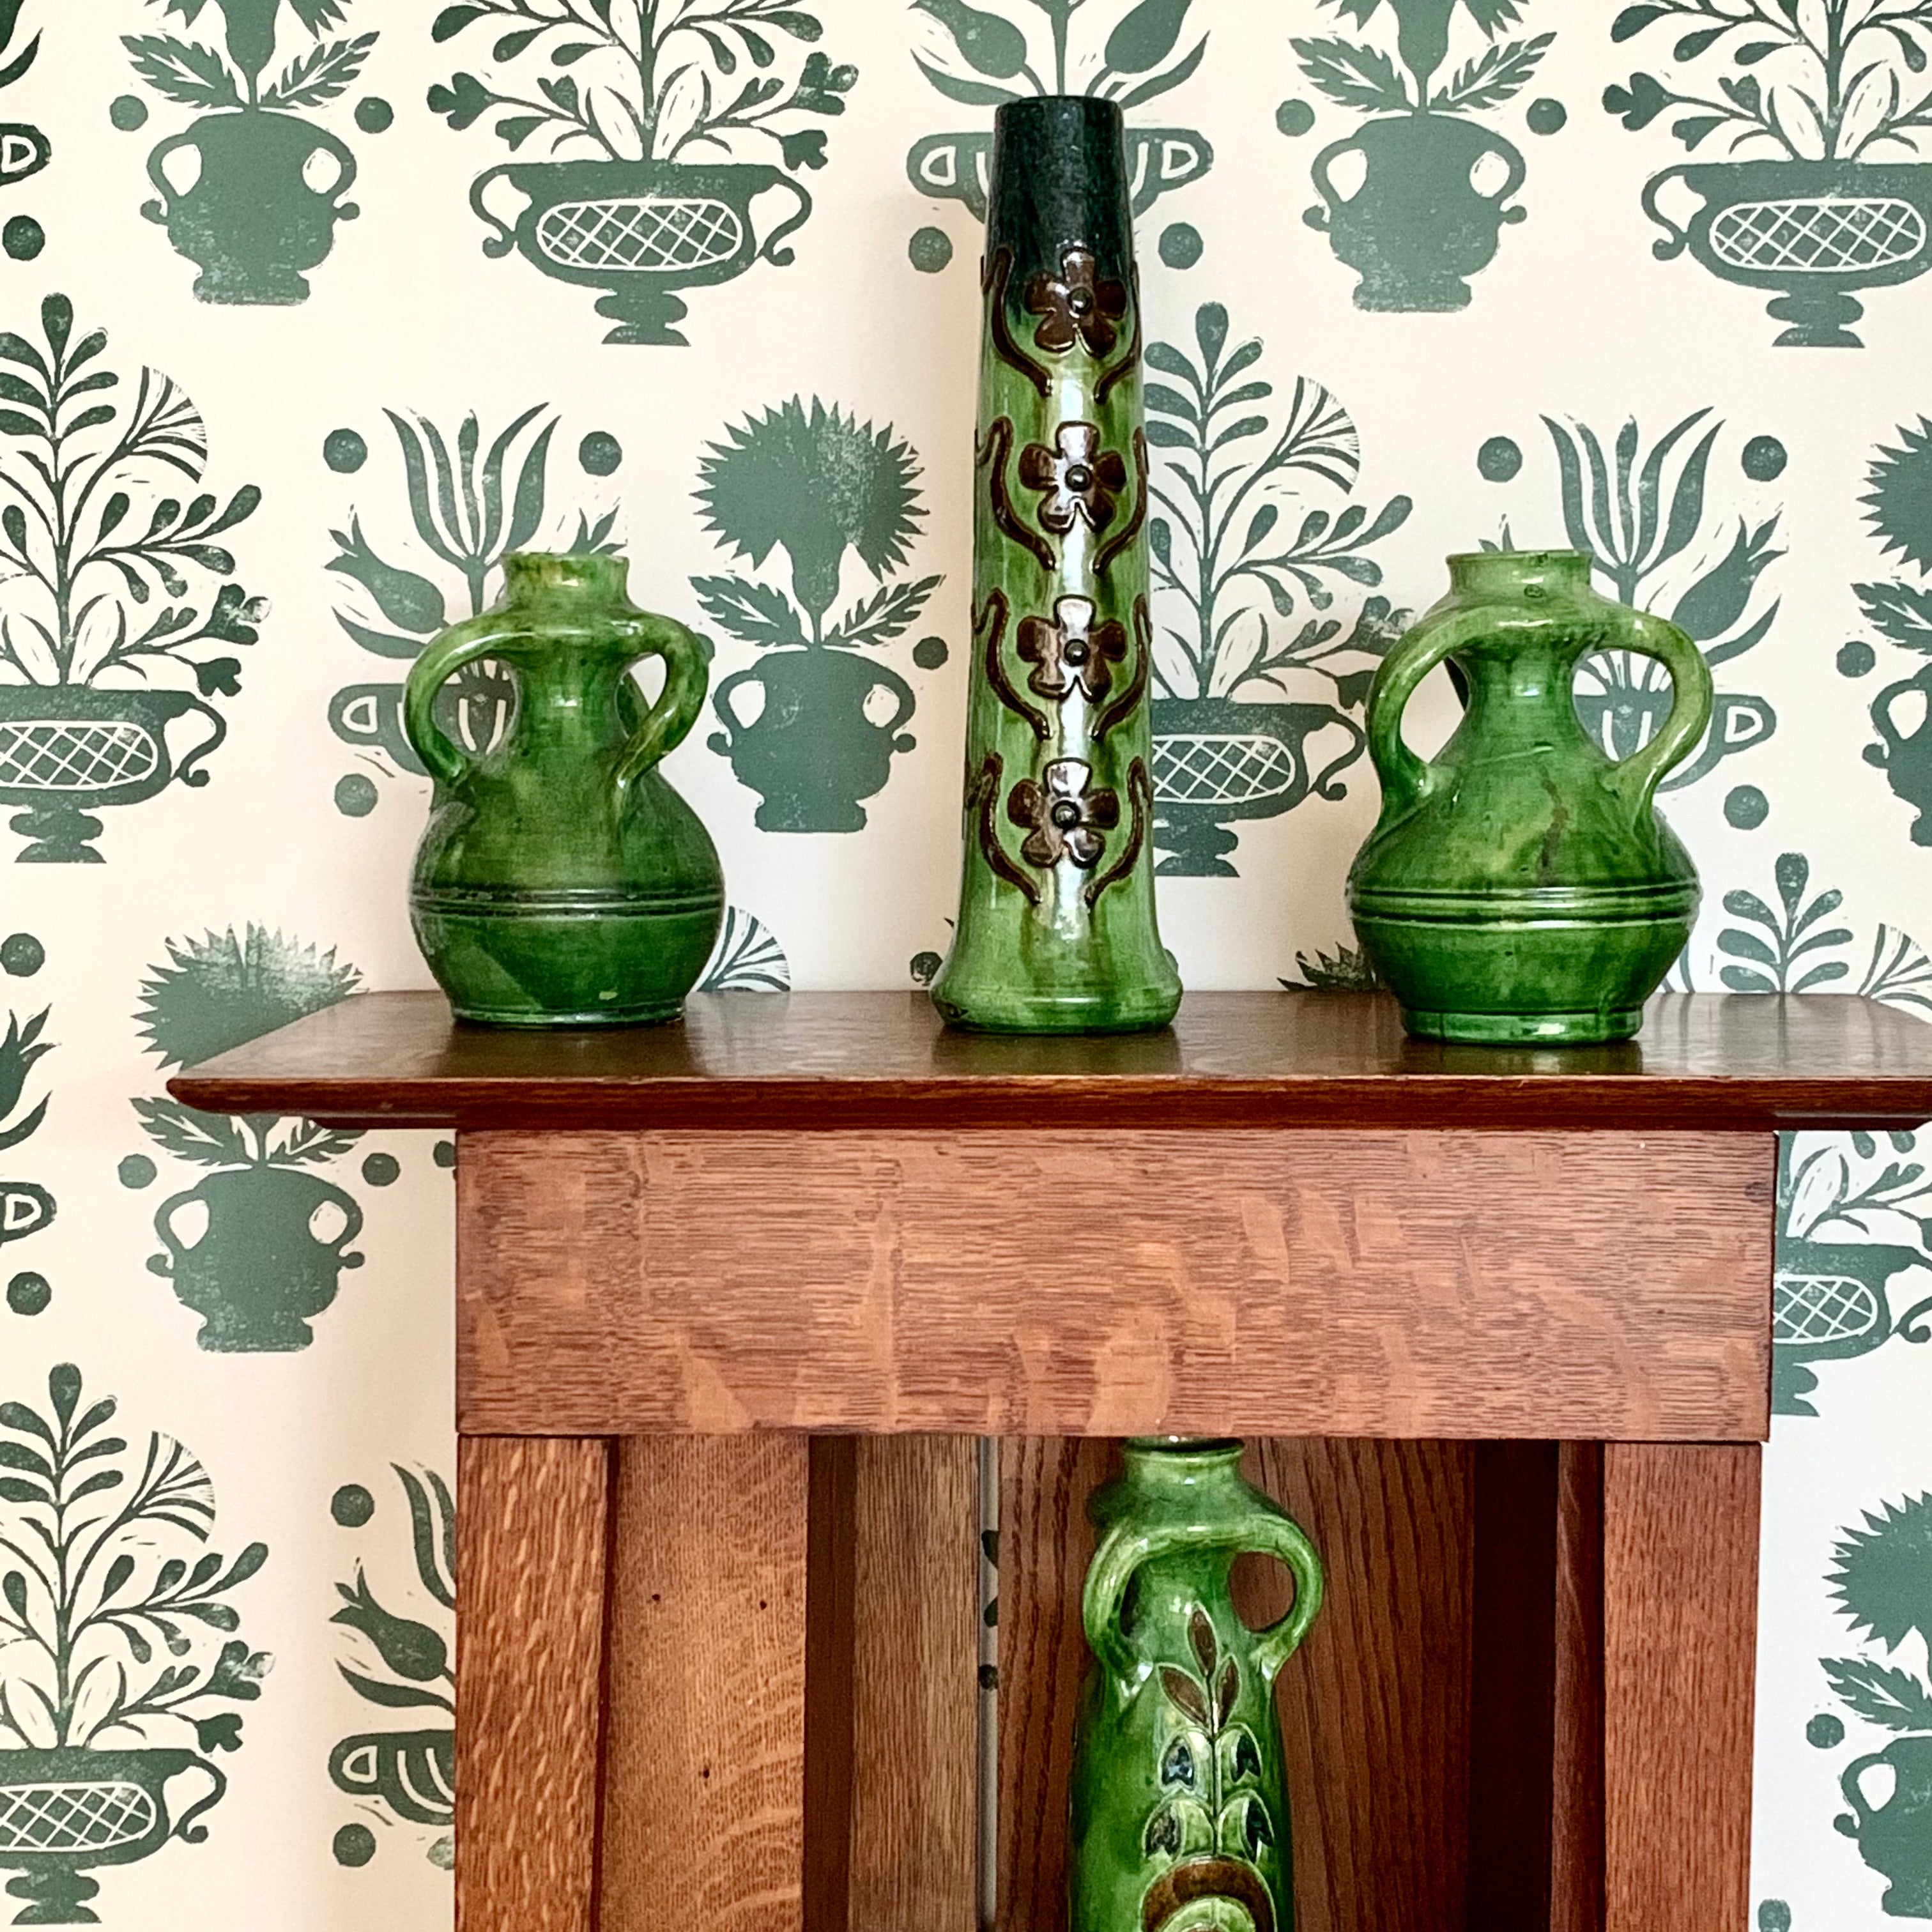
x=312 y=309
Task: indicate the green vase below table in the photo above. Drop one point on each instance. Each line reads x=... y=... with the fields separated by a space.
x=562 y=881
x=1179 y=1814
x=1519 y=886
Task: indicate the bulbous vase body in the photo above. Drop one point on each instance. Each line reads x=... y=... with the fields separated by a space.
x=562 y=881
x=1520 y=886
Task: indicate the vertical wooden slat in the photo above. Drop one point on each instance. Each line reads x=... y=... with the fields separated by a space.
x=704 y=1755
x=915 y=1686
x=531 y=1537
x=1577 y=1810
x=829 y=1660
x=1045 y=1544
x=1512 y=1673
x=1680 y=1612
x=1375 y=1708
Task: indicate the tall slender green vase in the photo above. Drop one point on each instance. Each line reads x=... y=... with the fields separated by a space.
x=1056 y=931
x=1180 y=1798
x=561 y=881
x=1519 y=886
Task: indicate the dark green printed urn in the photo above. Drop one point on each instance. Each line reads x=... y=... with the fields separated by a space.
x=562 y=881
x=1056 y=931
x=1179 y=1817
x=1520 y=886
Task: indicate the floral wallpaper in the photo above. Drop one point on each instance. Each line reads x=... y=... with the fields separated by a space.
x=312 y=309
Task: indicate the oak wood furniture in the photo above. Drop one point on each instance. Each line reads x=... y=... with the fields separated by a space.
x=735 y=1296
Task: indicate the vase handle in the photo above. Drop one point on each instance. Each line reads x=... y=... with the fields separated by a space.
x=1270 y=1531
x=1324 y=184
x=164 y=1265
x=441 y=658
x=1405 y=779
x=1881 y=714
x=339 y=153
x=687 y=658
x=1855 y=1796
x=498 y=245
x=185 y=1828
x=1638 y=776
x=189 y=769
x=157 y=212
x=769 y=249
x=1676 y=239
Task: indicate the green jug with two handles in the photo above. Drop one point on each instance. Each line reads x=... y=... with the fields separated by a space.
x=1179 y=1811
x=561 y=881
x=1520 y=886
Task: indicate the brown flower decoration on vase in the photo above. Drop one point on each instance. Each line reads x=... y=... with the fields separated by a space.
x=1075 y=477
x=1076 y=306
x=1071 y=652
x=1064 y=819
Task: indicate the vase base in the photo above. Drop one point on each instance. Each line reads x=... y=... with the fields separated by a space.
x=57 y=1896
x=644 y=316
x=60 y=833
x=1819 y=320
x=1013 y=1014
x=600 y=1017
x=1592 y=1027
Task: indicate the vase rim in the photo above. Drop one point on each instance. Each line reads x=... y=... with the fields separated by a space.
x=526 y=572
x=1569 y=567
x=1188 y=1448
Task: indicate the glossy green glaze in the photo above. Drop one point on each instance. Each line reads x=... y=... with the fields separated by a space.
x=1179 y=1816
x=1056 y=931
x=561 y=881
x=1519 y=886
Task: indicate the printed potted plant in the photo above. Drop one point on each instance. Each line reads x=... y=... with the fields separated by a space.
x=812 y=726
x=238 y=191
x=1817 y=111
x=646 y=124
x=258 y=1247
x=1432 y=187
x=106 y=625
x=406 y=1776
x=982 y=58
x=1233 y=722
x=1883 y=1583
x=117 y=1646
x=1849 y=1211
x=469 y=504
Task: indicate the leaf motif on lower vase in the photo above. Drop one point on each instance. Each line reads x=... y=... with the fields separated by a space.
x=1184 y=1694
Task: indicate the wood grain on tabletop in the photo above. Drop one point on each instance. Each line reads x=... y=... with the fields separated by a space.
x=1422 y=1284
x=817 y=1061
x=531 y=1537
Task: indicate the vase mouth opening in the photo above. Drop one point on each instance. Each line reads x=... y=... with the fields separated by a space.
x=1057 y=110
x=1174 y=1451
x=1506 y=570
x=529 y=572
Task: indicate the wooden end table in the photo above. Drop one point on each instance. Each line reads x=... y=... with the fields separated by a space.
x=734 y=1297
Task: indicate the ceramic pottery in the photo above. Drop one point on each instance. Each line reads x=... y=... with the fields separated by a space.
x=1180 y=1798
x=561 y=882
x=1520 y=886
x=1895 y=1836
x=1056 y=931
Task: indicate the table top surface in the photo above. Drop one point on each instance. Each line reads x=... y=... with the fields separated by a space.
x=806 y=1061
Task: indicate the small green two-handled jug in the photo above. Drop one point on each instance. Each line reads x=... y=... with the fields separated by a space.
x=561 y=881
x=1519 y=886
x=1179 y=1811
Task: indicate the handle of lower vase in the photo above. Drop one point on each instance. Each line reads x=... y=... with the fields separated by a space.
x=185 y=1828
x=1637 y=778
x=1855 y=1796
x=1881 y=712
x=442 y=659
x=768 y=248
x=687 y=658
x=1270 y=1532
x=1676 y=237
x=1405 y=779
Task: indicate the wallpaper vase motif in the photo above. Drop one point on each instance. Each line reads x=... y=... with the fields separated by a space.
x=1014 y=49
x=402 y=1777
x=1417 y=199
x=1254 y=713
x=1810 y=118
x=111 y=634
x=116 y=1649
x=812 y=726
x=257 y=1247
x=238 y=191
x=1057 y=931
x=650 y=152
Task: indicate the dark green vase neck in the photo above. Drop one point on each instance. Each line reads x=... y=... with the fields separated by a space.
x=1534 y=577
x=565 y=590
x=1189 y=1473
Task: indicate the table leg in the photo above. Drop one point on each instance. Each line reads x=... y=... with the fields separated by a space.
x=1680 y=1614
x=530 y=1563
x=703 y=1814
